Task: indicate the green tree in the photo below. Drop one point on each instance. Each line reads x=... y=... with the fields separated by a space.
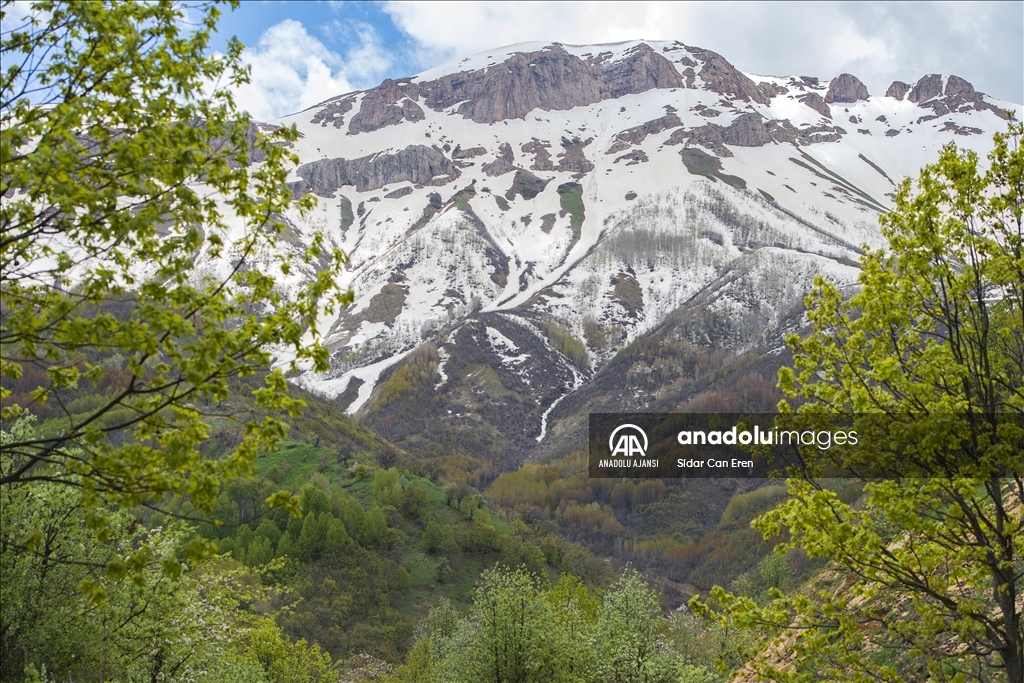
x=418 y=667
x=627 y=638
x=285 y=661
x=187 y=626
x=415 y=500
x=509 y=636
x=374 y=527
x=386 y=487
x=438 y=538
x=440 y=627
x=433 y=635
x=576 y=615
x=927 y=360
x=699 y=645
x=140 y=256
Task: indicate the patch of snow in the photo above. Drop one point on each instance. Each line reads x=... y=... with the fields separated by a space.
x=444 y=356
x=504 y=347
x=500 y=342
x=331 y=387
x=577 y=382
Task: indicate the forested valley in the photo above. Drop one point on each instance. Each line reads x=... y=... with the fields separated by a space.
x=390 y=557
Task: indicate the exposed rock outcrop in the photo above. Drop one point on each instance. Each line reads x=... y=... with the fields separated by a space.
x=925 y=89
x=498 y=167
x=956 y=95
x=813 y=135
x=618 y=146
x=746 y=130
x=707 y=112
x=635 y=157
x=333 y=111
x=471 y=153
x=690 y=75
x=541 y=155
x=417 y=164
x=846 y=88
x=784 y=131
x=898 y=89
x=400 y=192
x=950 y=127
x=379 y=107
x=817 y=103
x=708 y=136
x=770 y=90
x=641 y=70
x=503 y=164
x=722 y=77
x=958 y=86
x=547 y=79
x=636 y=135
x=554 y=79
x=254 y=154
x=505 y=152
x=526 y=185
x=412 y=111
x=572 y=158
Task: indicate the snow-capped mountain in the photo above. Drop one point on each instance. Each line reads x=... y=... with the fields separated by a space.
x=533 y=209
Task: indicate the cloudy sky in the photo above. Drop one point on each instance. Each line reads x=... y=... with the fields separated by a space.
x=304 y=52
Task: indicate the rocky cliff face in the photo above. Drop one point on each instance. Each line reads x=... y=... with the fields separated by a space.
x=547 y=79
x=643 y=69
x=526 y=216
x=925 y=89
x=386 y=105
x=550 y=79
x=746 y=130
x=898 y=89
x=417 y=164
x=817 y=103
x=723 y=78
x=846 y=88
x=553 y=79
x=946 y=95
x=637 y=134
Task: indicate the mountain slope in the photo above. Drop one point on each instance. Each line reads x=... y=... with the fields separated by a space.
x=534 y=209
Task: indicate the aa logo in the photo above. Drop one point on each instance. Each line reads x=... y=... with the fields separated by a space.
x=628 y=441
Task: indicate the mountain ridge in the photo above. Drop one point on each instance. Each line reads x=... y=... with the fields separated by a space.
x=582 y=194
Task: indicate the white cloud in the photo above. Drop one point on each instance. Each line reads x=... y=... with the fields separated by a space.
x=292 y=70
x=18 y=13
x=366 y=59
x=445 y=30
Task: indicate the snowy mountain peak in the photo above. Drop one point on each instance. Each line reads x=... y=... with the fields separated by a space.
x=582 y=195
